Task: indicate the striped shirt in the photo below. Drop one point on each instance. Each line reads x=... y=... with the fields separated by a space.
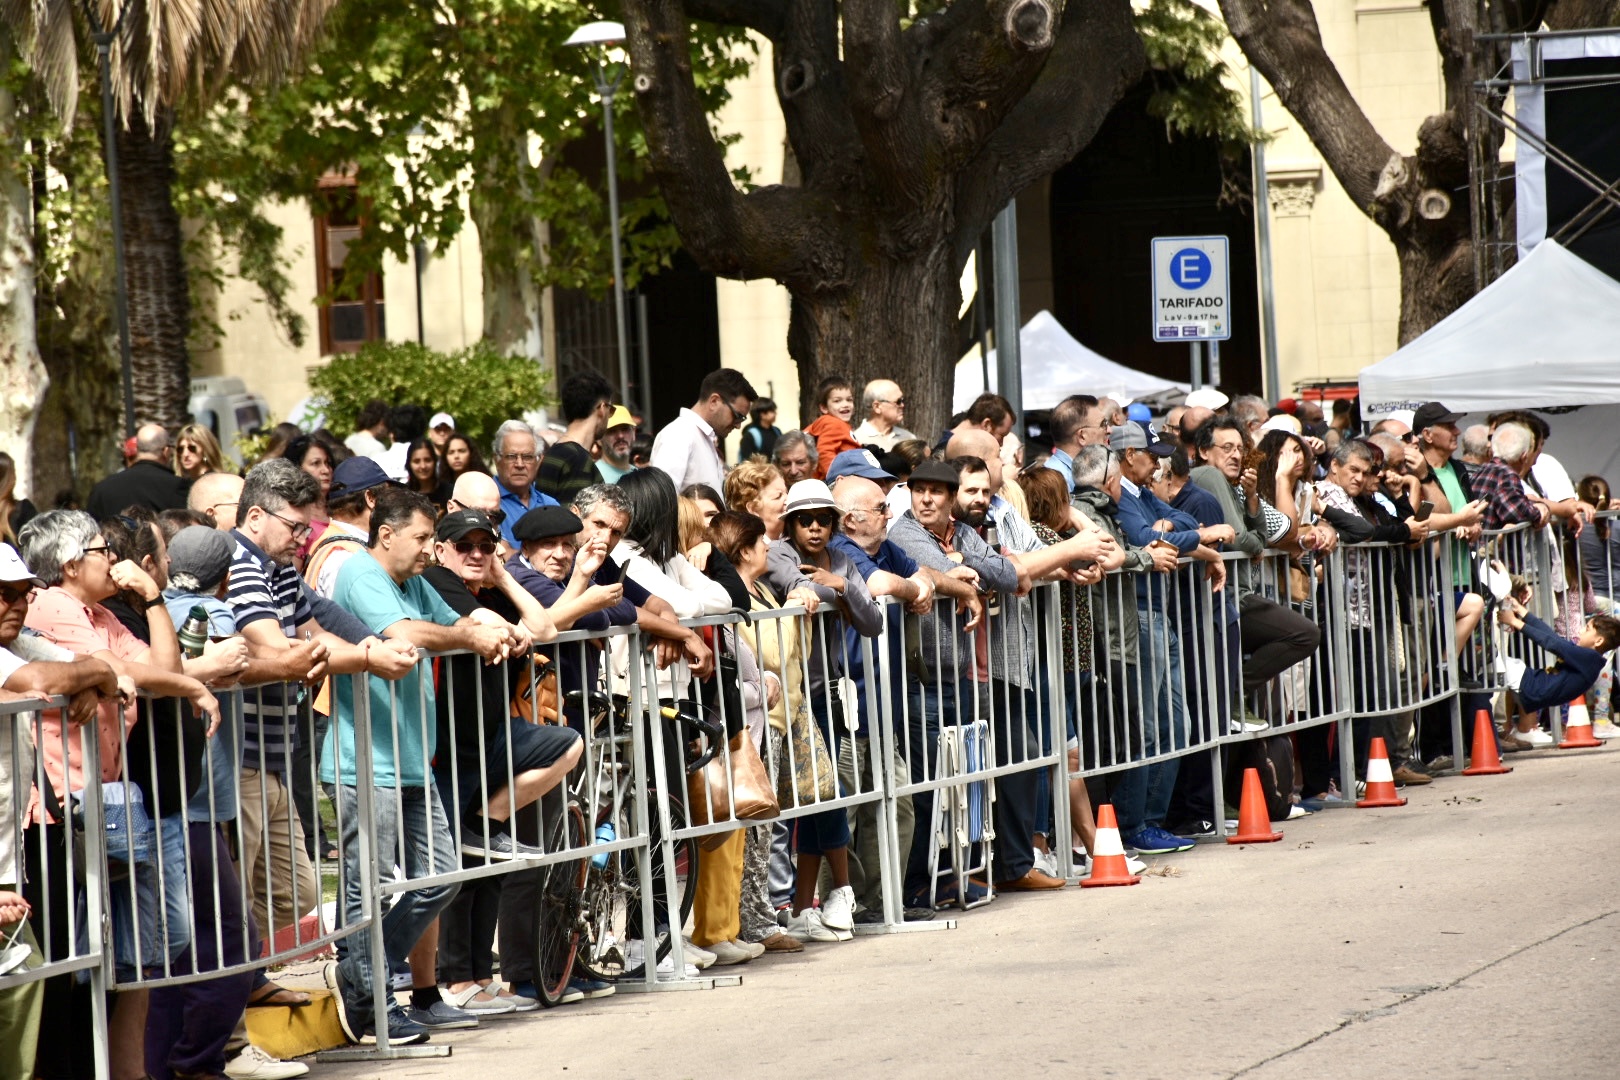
x=264 y=589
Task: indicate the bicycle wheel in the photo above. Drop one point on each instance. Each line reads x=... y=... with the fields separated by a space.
x=615 y=948
x=559 y=917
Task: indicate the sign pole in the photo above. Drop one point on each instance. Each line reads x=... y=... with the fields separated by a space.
x=1197 y=365
x=1215 y=361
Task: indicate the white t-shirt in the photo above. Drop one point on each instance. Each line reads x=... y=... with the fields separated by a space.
x=394 y=461
x=1553 y=480
x=17 y=752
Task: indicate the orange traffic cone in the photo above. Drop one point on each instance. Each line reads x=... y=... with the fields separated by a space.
x=1578 y=727
x=1487 y=762
x=1108 y=860
x=1254 y=818
x=1380 y=780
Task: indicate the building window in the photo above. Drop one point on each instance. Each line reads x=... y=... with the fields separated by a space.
x=351 y=305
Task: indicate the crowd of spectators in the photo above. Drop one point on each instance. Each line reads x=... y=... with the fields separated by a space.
x=1188 y=563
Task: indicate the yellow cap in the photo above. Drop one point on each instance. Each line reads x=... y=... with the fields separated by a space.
x=620 y=415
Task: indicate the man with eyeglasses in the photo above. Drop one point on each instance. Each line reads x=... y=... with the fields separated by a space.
x=888 y=571
x=215 y=495
x=1075 y=422
x=149 y=481
x=689 y=447
x=517 y=463
x=885 y=408
x=292 y=650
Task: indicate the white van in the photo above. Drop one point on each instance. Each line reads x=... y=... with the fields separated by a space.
x=224 y=405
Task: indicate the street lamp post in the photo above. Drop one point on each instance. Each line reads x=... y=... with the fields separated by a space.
x=104 y=36
x=605 y=34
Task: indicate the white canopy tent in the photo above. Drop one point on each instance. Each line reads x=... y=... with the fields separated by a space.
x=1055 y=365
x=1543 y=335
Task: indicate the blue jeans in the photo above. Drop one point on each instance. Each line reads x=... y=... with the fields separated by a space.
x=414 y=831
x=150 y=909
x=1143 y=795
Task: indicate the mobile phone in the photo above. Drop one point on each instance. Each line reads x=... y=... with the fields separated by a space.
x=624 y=568
x=1425 y=508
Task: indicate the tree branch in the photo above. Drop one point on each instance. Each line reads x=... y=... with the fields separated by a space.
x=1097 y=57
x=815 y=107
x=770 y=232
x=766 y=17
x=1281 y=38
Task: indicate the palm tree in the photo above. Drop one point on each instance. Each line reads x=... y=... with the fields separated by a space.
x=166 y=56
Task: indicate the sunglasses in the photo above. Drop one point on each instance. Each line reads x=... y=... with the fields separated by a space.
x=824 y=518
x=467 y=547
x=497 y=517
x=11 y=594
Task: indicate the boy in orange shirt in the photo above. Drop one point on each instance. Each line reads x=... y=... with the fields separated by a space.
x=835 y=397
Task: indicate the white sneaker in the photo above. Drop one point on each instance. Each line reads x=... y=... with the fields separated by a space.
x=753 y=948
x=1536 y=737
x=697 y=954
x=727 y=953
x=1047 y=863
x=1605 y=729
x=838 y=911
x=807 y=926
x=635 y=955
x=1133 y=864
x=254 y=1064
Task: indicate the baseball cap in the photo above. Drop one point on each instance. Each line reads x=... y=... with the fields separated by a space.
x=1206 y=396
x=620 y=416
x=544 y=522
x=458 y=523
x=861 y=463
x=355 y=475
x=809 y=495
x=1135 y=435
x=929 y=471
x=12 y=568
x=1283 y=422
x=201 y=553
x=1431 y=413
x=442 y=419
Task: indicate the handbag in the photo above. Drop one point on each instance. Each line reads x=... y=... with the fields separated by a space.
x=746 y=784
x=811 y=779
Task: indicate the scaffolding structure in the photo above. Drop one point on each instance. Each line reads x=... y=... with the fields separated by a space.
x=1515 y=69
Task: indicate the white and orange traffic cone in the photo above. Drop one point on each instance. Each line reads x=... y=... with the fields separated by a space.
x=1486 y=761
x=1108 y=866
x=1578 y=728
x=1380 y=780
x=1254 y=816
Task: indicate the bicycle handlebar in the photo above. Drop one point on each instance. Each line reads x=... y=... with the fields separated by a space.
x=713 y=732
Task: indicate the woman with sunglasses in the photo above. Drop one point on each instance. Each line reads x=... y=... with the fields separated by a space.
x=803 y=558
x=70 y=612
x=196 y=451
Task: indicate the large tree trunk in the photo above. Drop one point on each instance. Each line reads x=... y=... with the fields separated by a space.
x=154 y=258
x=22 y=372
x=510 y=237
x=894 y=321
x=908 y=140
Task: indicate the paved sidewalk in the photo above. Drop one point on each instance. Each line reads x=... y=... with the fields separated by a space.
x=1474 y=932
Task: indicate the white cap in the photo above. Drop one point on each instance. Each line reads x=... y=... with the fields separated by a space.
x=1206 y=397
x=443 y=419
x=1282 y=422
x=12 y=568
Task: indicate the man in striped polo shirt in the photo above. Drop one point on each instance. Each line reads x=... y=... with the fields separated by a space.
x=293 y=652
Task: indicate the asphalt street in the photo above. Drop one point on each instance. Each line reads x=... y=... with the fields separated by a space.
x=1473 y=933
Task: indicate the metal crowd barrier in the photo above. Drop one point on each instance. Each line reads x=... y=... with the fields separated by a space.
x=65 y=932
x=1135 y=670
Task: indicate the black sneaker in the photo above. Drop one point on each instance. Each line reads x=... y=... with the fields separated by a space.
x=1194 y=827
x=868 y=916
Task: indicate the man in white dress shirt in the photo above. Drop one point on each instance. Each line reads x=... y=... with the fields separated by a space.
x=688 y=448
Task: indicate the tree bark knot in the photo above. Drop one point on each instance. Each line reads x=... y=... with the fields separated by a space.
x=797 y=77
x=1029 y=24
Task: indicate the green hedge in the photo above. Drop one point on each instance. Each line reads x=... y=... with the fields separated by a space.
x=479 y=386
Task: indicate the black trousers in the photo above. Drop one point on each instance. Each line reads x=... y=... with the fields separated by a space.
x=1275 y=637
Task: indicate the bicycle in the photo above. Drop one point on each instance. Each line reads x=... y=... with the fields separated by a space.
x=590 y=907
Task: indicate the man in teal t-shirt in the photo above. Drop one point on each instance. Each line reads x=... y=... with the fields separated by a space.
x=382 y=586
